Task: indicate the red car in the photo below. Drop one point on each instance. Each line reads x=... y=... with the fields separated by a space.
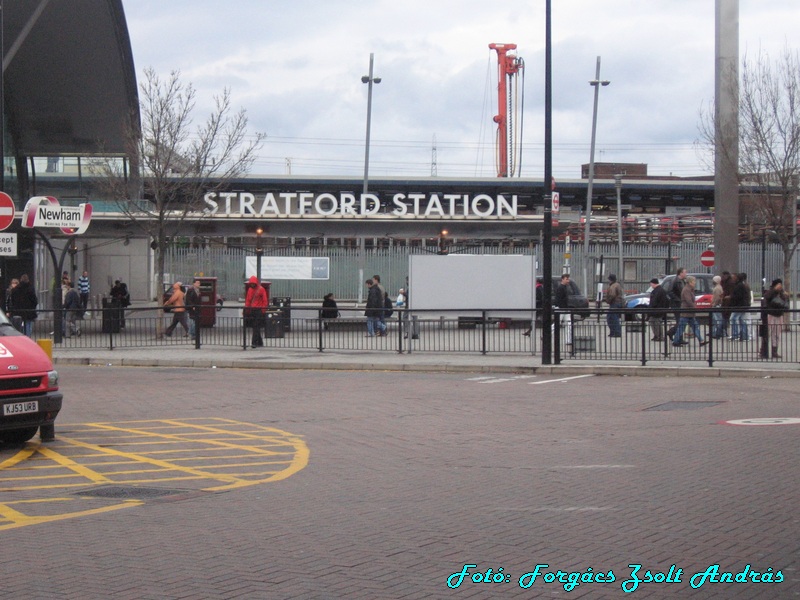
x=29 y=396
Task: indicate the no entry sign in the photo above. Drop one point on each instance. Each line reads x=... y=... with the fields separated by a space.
x=707 y=258
x=7 y=211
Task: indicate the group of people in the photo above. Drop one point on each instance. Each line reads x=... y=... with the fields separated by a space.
x=376 y=309
x=731 y=296
x=22 y=302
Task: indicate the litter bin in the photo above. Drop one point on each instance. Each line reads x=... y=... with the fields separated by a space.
x=284 y=306
x=112 y=315
x=273 y=324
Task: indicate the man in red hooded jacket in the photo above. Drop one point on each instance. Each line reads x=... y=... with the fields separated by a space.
x=255 y=307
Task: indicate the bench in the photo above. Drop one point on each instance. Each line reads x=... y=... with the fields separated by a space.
x=344 y=324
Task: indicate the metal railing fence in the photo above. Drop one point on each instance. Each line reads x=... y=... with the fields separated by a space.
x=743 y=335
x=448 y=331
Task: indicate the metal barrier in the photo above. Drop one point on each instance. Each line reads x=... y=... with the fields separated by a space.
x=417 y=331
x=446 y=331
x=744 y=336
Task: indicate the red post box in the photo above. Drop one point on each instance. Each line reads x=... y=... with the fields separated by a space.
x=208 y=301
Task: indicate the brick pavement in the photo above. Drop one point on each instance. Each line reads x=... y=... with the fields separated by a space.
x=413 y=475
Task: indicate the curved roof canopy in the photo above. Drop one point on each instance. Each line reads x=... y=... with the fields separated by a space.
x=69 y=78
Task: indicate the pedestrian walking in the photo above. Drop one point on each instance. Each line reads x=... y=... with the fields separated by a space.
x=689 y=303
x=178 y=303
x=377 y=280
x=374 y=310
x=674 y=294
x=659 y=301
x=717 y=318
x=192 y=301
x=740 y=302
x=73 y=312
x=614 y=299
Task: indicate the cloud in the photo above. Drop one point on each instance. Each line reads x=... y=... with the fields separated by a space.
x=296 y=68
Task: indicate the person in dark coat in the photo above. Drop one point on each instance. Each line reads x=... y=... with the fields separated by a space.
x=740 y=301
x=658 y=300
x=374 y=310
x=73 y=311
x=330 y=310
x=192 y=301
x=23 y=304
x=674 y=296
x=561 y=299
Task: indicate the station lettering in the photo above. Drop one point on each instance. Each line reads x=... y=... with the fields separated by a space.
x=362 y=205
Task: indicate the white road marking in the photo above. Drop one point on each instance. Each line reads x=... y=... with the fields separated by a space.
x=562 y=379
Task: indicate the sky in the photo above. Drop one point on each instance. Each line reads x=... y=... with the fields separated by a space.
x=296 y=68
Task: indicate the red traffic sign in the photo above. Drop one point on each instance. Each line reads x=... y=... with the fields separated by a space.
x=7 y=211
x=707 y=258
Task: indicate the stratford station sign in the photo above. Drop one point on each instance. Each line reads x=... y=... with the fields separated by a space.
x=414 y=205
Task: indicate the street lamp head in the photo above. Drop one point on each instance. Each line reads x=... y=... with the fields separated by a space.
x=365 y=79
x=376 y=79
x=595 y=82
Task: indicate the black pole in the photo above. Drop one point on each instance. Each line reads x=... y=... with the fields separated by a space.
x=547 y=250
x=764 y=261
x=2 y=103
x=58 y=265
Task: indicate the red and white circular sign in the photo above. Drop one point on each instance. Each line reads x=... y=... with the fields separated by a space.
x=765 y=421
x=7 y=211
x=707 y=258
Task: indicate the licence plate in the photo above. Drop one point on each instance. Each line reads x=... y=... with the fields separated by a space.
x=19 y=408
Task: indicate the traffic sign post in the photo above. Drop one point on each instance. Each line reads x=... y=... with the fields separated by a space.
x=707 y=258
x=7 y=211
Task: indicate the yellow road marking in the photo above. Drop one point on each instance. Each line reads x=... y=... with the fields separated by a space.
x=287 y=449
x=21 y=456
x=70 y=464
x=153 y=461
x=24 y=520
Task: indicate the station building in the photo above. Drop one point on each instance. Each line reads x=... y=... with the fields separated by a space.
x=71 y=94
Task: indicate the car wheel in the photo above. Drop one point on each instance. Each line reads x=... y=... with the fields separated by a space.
x=18 y=436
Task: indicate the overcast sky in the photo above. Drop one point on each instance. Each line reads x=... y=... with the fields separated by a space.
x=296 y=68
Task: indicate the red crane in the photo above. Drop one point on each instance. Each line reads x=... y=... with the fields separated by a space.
x=509 y=105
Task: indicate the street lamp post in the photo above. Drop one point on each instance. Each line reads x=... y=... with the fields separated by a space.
x=547 y=224
x=369 y=80
x=596 y=83
x=259 y=253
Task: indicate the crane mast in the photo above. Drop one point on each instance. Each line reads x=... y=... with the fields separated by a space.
x=509 y=67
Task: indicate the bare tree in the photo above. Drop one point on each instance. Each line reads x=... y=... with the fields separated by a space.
x=174 y=162
x=769 y=146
